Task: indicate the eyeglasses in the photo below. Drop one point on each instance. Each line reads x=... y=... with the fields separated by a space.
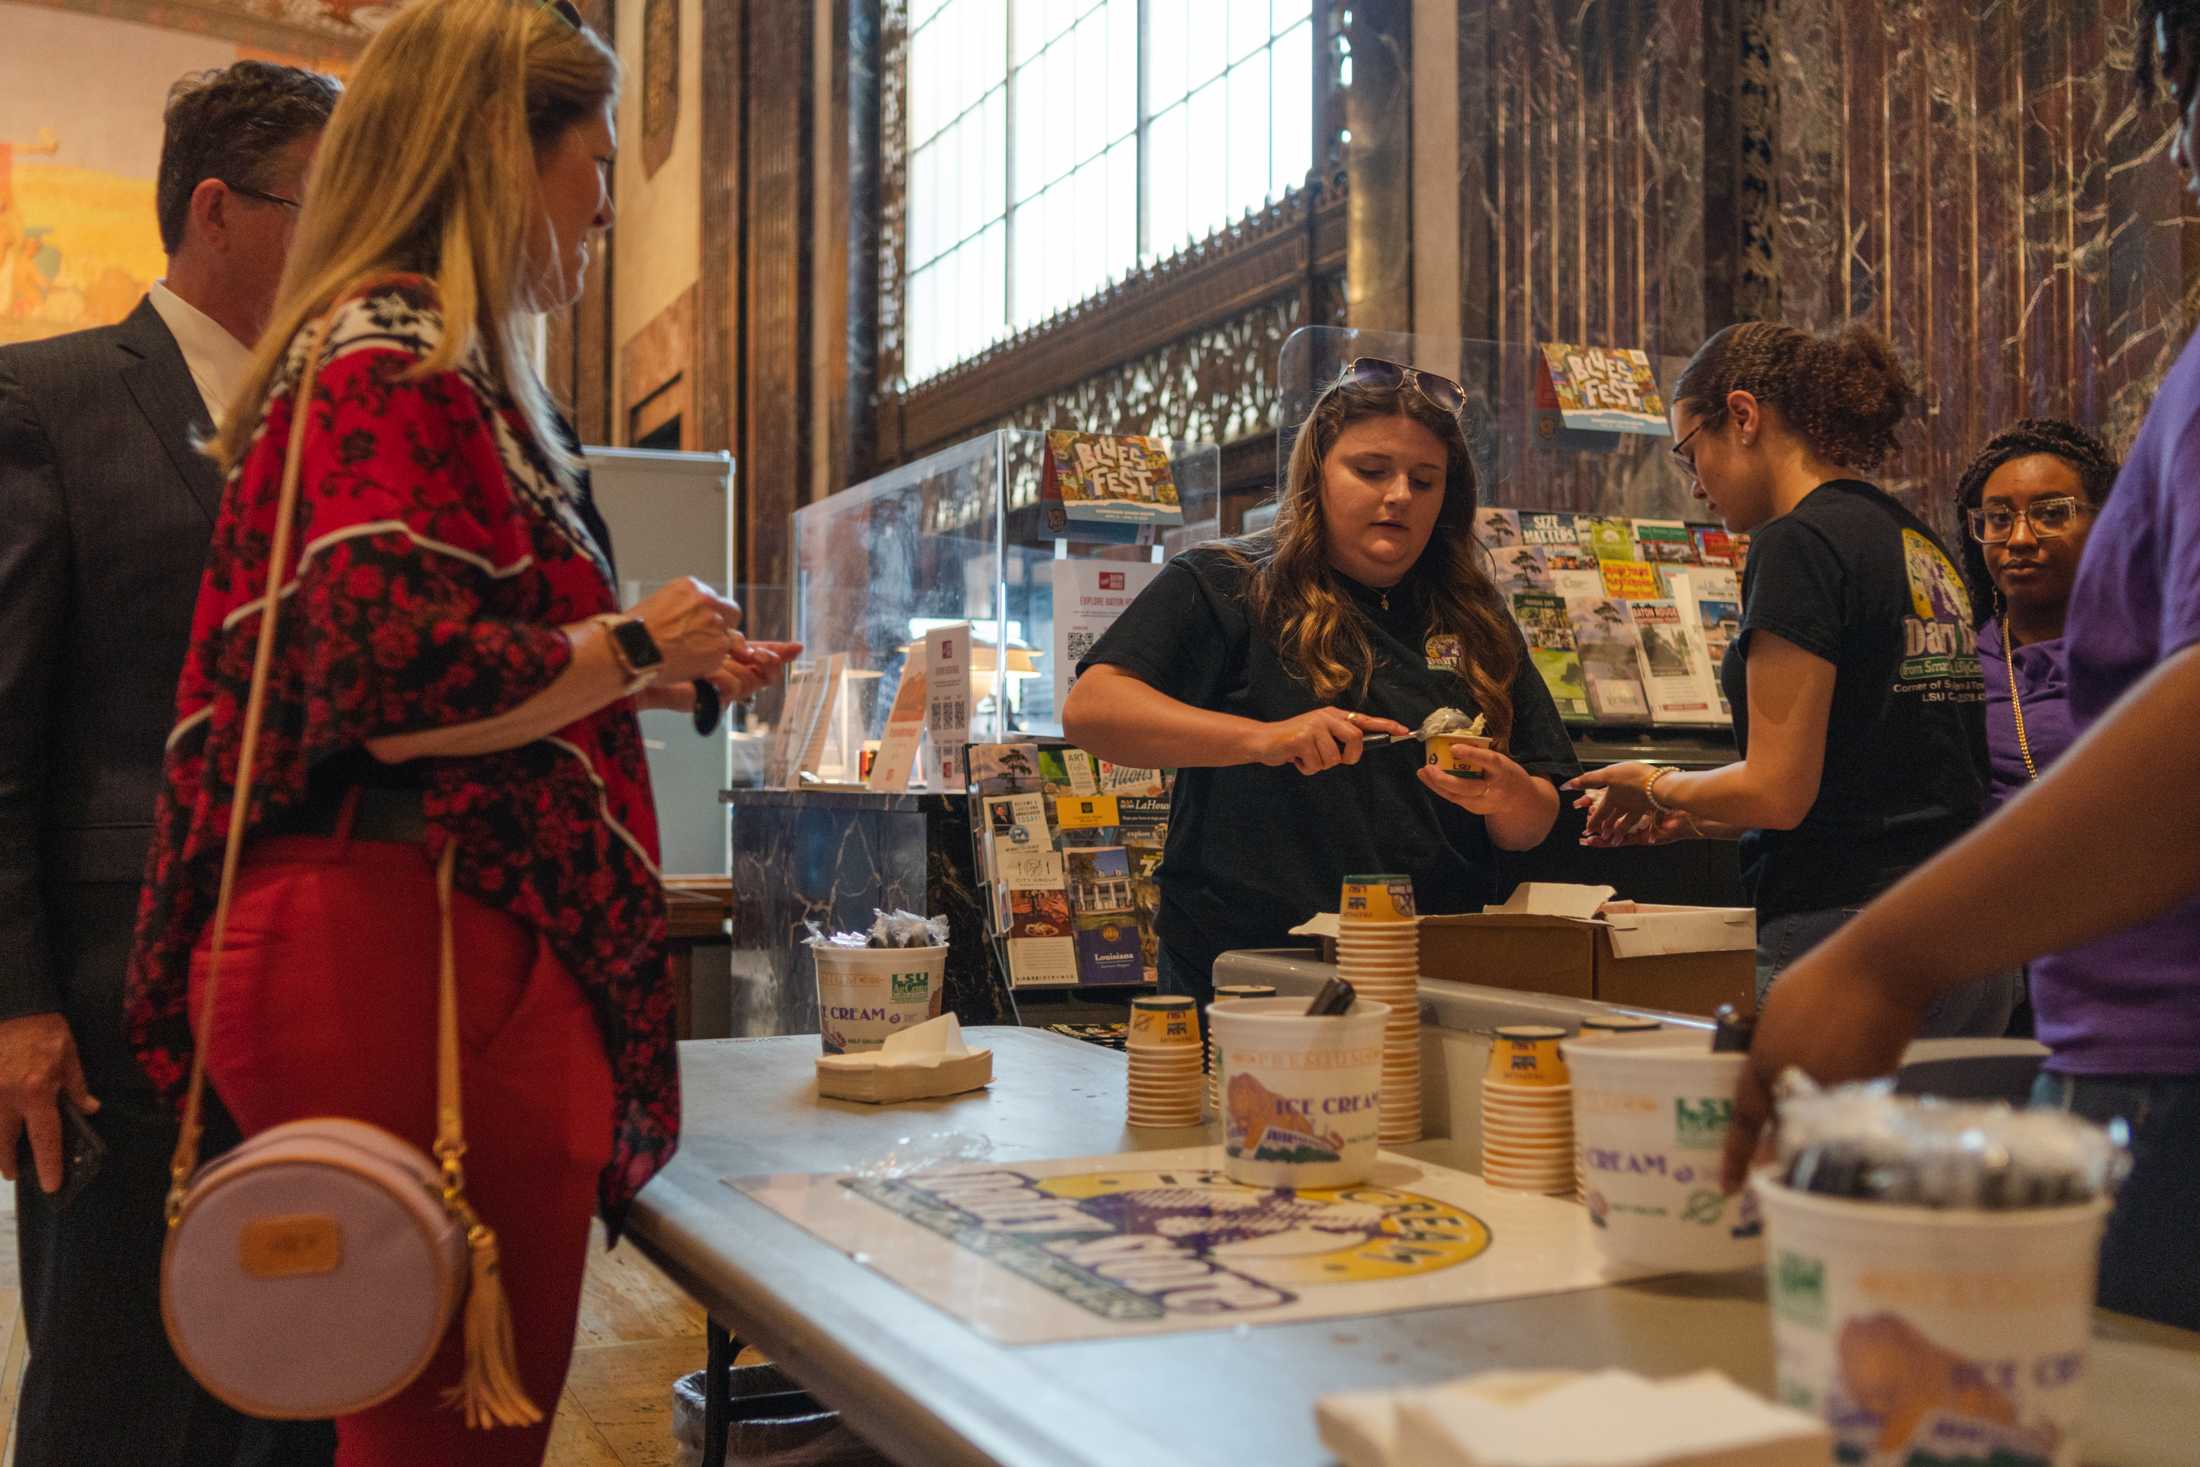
x=1686 y=460
x=1993 y=524
x=1445 y=395
x=263 y=197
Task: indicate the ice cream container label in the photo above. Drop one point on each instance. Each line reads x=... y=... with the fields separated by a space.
x=1928 y=1337
x=1377 y=899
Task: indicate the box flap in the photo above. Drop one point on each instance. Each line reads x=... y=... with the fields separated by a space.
x=1553 y=899
x=1652 y=931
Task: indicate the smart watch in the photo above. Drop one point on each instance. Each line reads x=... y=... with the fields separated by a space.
x=637 y=651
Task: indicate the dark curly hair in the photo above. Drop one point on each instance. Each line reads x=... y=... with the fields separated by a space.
x=1843 y=392
x=2182 y=19
x=2095 y=466
x=230 y=124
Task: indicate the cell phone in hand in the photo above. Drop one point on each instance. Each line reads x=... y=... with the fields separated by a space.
x=81 y=1154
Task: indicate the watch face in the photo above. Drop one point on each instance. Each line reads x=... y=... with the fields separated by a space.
x=639 y=646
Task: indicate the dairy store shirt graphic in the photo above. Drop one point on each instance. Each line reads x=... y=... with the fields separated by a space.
x=1142 y=1246
x=1940 y=649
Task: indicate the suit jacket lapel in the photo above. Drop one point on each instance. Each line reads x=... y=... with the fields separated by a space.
x=170 y=400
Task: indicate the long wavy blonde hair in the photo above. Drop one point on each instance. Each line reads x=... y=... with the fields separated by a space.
x=1296 y=596
x=428 y=167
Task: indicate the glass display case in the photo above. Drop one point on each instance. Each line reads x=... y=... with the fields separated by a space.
x=963 y=536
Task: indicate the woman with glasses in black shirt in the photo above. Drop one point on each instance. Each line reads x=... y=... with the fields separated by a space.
x=1855 y=680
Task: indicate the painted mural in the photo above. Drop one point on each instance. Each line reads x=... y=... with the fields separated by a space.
x=81 y=96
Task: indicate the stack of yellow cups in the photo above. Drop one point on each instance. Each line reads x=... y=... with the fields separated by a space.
x=1163 y=1050
x=1528 y=1112
x=1379 y=954
x=1214 y=1068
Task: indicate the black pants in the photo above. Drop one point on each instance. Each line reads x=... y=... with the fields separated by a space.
x=102 y=1388
x=2149 y=1266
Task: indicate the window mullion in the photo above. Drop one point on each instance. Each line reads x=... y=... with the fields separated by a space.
x=1144 y=137
x=1008 y=167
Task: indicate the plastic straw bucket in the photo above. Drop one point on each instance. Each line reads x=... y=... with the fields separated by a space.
x=1301 y=1097
x=1651 y=1116
x=1926 y=1334
x=867 y=993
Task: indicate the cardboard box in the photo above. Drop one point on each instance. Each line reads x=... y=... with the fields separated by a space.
x=1565 y=940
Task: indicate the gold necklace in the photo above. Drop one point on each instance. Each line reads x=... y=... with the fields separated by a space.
x=2016 y=702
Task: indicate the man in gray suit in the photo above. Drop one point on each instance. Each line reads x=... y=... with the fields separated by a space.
x=106 y=509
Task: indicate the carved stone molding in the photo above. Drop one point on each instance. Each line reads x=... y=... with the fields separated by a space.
x=660 y=82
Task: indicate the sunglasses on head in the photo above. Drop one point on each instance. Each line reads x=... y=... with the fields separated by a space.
x=1445 y=395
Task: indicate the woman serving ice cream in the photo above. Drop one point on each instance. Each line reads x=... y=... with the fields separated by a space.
x=1260 y=667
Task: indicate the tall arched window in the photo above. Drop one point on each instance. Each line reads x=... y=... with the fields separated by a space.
x=1058 y=145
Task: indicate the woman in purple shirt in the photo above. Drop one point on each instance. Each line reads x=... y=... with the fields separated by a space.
x=2098 y=862
x=2028 y=502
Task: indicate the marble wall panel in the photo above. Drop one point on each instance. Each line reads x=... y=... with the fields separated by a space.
x=1973 y=177
x=1585 y=197
x=1977 y=179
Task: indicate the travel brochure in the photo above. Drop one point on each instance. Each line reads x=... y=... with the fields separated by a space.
x=1627 y=620
x=1070 y=845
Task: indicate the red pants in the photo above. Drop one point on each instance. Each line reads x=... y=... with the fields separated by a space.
x=328 y=1007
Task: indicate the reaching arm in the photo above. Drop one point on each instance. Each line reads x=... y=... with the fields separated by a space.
x=1773 y=788
x=2124 y=849
x=1126 y=721
x=692 y=626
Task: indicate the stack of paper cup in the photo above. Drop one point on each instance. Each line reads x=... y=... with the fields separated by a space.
x=1163 y=1050
x=1527 y=1112
x=1214 y=1068
x=1379 y=954
x=1594 y=1028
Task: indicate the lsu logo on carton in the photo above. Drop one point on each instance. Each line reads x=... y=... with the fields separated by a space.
x=1799 y=1288
x=1701 y=1124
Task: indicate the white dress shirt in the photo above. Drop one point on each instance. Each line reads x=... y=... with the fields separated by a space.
x=217 y=360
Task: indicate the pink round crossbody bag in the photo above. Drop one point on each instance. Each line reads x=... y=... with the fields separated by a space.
x=314 y=1270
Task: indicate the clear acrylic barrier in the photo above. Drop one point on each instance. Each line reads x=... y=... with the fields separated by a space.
x=960 y=537
x=1524 y=459
x=1516 y=466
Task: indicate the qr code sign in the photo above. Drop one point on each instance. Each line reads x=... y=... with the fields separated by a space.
x=1080 y=642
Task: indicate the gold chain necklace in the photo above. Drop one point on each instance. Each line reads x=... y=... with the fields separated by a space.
x=2016 y=701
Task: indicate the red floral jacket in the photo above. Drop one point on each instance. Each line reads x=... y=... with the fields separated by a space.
x=437 y=553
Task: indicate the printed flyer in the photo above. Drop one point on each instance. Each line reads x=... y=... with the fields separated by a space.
x=1088 y=596
x=1118 y=480
x=1033 y=1252
x=1602 y=389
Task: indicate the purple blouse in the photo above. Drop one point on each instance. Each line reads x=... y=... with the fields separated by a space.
x=2129 y=1004
x=2047 y=726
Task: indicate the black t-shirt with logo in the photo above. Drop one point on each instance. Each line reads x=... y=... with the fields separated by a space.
x=1253 y=851
x=1851 y=576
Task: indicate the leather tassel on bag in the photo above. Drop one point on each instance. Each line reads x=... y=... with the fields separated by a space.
x=489 y=1391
